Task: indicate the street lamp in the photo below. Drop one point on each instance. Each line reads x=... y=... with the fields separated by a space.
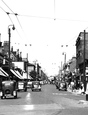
x=9 y=33
x=64 y=53
x=27 y=62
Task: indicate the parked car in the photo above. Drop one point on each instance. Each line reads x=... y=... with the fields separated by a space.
x=22 y=85
x=62 y=86
x=42 y=82
x=8 y=88
x=36 y=86
x=29 y=84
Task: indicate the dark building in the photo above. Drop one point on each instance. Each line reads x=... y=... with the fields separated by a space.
x=6 y=48
x=80 y=51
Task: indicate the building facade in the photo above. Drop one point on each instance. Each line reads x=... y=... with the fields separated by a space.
x=80 y=51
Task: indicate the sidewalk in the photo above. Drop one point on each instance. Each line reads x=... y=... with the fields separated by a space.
x=79 y=92
x=76 y=92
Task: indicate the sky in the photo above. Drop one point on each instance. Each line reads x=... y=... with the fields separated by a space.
x=42 y=27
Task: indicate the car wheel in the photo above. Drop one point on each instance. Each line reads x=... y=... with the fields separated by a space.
x=25 y=89
x=1 y=97
x=18 y=90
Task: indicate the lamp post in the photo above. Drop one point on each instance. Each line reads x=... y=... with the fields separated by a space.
x=84 y=66
x=27 y=67
x=27 y=61
x=64 y=53
x=9 y=33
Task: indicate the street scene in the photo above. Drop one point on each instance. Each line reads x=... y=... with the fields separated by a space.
x=47 y=102
x=43 y=57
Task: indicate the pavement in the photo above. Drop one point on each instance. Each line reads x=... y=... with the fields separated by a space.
x=76 y=92
x=79 y=92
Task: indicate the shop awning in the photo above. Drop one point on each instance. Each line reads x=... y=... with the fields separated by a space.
x=3 y=73
x=15 y=74
x=19 y=74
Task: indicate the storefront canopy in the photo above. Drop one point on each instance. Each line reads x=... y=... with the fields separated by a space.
x=3 y=73
x=15 y=74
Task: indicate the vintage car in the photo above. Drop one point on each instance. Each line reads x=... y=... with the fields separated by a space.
x=22 y=85
x=29 y=84
x=8 y=87
x=62 y=86
x=36 y=86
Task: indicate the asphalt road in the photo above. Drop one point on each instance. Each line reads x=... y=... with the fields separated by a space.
x=49 y=101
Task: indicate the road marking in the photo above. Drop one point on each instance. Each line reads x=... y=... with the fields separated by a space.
x=24 y=108
x=42 y=107
x=59 y=94
x=28 y=95
x=28 y=107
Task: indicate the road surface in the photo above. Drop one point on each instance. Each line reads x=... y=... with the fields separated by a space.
x=49 y=101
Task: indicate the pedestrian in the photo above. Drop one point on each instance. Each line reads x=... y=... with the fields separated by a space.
x=82 y=88
x=72 y=85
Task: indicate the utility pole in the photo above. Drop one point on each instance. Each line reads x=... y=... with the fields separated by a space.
x=84 y=65
x=27 y=66
x=9 y=33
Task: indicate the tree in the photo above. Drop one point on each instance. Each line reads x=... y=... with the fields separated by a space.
x=33 y=74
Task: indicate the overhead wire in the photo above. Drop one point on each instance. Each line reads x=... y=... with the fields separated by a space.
x=11 y=20
x=31 y=16
x=14 y=14
x=75 y=37
x=2 y=9
x=15 y=28
x=42 y=17
x=7 y=6
x=18 y=21
x=39 y=17
x=55 y=18
x=16 y=18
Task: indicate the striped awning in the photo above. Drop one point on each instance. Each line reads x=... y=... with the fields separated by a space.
x=15 y=73
x=3 y=73
x=18 y=74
